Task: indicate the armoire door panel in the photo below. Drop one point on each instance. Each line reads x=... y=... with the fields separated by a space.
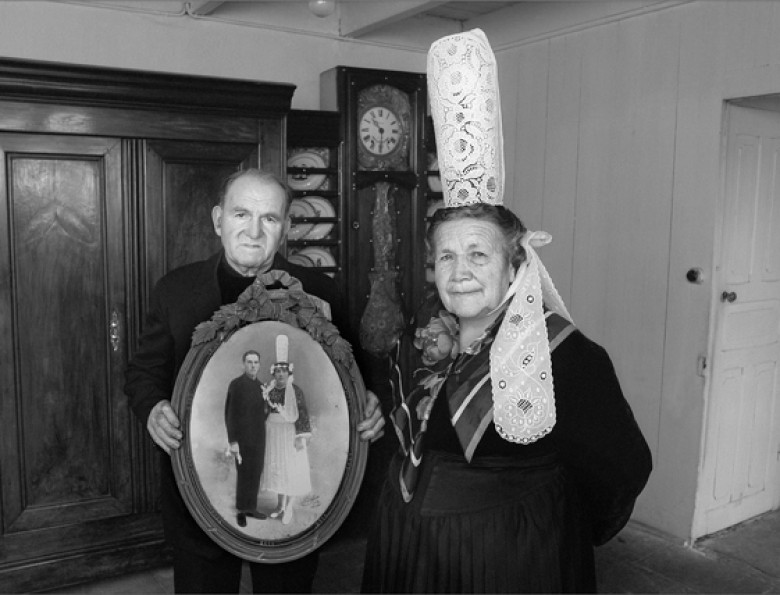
x=107 y=181
x=62 y=406
x=183 y=185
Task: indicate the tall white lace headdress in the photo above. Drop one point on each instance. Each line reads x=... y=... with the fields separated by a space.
x=466 y=112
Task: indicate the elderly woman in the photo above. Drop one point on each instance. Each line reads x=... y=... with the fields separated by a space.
x=504 y=484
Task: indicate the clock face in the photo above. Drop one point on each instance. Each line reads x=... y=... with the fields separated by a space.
x=380 y=130
x=383 y=121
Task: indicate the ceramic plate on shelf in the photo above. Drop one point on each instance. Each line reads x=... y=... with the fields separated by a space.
x=434 y=182
x=320 y=257
x=301 y=181
x=300 y=208
x=322 y=208
x=300 y=259
x=433 y=208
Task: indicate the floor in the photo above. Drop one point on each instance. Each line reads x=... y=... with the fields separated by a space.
x=742 y=559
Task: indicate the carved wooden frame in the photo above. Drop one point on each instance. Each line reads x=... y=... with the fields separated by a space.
x=331 y=381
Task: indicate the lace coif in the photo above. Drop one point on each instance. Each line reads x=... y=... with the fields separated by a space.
x=466 y=112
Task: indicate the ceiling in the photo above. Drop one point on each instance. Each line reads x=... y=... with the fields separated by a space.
x=372 y=14
x=410 y=24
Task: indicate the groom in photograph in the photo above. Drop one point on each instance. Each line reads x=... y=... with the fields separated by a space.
x=245 y=415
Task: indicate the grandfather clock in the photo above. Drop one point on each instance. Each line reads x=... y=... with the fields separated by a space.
x=385 y=185
x=386 y=196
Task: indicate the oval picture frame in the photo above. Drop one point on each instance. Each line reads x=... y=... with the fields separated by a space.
x=324 y=479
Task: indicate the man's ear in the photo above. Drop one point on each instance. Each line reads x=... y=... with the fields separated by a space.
x=216 y=218
x=287 y=225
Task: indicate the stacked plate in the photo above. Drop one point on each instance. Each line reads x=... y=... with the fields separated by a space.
x=306 y=160
x=310 y=207
x=434 y=181
x=313 y=256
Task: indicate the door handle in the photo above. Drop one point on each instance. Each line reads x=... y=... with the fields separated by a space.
x=728 y=296
x=113 y=331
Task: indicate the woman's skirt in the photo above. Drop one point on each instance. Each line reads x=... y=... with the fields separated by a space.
x=286 y=470
x=495 y=525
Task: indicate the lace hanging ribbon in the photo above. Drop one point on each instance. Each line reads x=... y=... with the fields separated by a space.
x=520 y=366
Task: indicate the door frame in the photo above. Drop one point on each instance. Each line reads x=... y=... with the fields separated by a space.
x=699 y=524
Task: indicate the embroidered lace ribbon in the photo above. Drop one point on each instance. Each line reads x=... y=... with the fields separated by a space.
x=520 y=366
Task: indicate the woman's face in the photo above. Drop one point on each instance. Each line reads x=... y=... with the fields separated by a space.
x=472 y=271
x=280 y=376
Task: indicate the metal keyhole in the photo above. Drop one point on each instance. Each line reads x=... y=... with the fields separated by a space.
x=113 y=331
x=728 y=296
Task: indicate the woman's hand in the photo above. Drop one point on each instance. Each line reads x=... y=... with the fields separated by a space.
x=373 y=424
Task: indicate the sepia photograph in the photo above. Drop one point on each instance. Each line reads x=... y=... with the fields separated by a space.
x=269 y=441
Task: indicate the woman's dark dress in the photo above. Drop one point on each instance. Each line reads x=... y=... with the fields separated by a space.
x=517 y=518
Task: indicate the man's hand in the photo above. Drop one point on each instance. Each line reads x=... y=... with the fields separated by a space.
x=163 y=426
x=373 y=424
x=234 y=451
x=300 y=442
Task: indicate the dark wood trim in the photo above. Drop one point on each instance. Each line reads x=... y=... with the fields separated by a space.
x=312 y=128
x=58 y=118
x=121 y=546
x=48 y=82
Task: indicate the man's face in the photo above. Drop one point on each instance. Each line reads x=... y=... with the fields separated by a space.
x=251 y=223
x=280 y=376
x=251 y=365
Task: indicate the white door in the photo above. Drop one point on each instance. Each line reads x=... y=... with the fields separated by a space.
x=740 y=471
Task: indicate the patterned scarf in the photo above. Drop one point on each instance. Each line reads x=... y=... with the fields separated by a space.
x=470 y=404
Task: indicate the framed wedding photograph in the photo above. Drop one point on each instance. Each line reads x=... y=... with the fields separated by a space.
x=269 y=398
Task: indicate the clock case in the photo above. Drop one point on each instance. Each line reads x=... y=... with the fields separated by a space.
x=341 y=89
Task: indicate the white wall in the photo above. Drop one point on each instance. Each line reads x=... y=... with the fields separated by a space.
x=79 y=34
x=615 y=150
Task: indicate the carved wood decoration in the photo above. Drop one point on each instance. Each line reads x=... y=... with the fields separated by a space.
x=107 y=182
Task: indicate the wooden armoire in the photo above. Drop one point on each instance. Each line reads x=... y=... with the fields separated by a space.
x=107 y=182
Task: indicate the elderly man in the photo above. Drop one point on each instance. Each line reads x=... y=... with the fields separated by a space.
x=251 y=220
